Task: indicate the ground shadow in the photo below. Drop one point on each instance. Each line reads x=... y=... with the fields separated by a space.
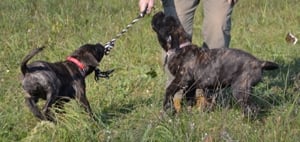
x=108 y=114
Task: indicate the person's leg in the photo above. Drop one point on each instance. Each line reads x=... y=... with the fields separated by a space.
x=184 y=10
x=217 y=23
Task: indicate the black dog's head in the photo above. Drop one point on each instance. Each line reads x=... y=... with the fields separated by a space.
x=89 y=54
x=168 y=28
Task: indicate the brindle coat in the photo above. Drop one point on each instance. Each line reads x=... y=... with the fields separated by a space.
x=60 y=81
x=204 y=68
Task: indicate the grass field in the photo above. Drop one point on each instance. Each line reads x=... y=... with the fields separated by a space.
x=127 y=105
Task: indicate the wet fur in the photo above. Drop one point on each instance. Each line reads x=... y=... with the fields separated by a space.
x=204 y=68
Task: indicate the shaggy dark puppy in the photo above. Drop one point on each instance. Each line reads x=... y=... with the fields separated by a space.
x=203 y=68
x=60 y=81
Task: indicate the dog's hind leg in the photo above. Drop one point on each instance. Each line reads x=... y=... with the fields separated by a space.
x=49 y=102
x=46 y=110
x=31 y=103
x=241 y=93
x=242 y=97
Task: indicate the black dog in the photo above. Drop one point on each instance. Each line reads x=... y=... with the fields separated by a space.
x=203 y=68
x=60 y=81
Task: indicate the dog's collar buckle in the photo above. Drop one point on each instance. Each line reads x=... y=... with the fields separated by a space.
x=75 y=61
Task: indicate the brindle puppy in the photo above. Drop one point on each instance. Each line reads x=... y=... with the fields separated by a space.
x=204 y=68
x=60 y=81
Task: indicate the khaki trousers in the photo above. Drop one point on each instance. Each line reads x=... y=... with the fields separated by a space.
x=216 y=21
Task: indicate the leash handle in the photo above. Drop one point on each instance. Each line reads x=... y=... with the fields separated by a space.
x=109 y=45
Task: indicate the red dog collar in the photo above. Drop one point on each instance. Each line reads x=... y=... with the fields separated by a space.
x=75 y=61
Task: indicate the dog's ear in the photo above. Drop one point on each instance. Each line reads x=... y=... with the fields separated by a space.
x=90 y=60
x=172 y=22
x=157 y=20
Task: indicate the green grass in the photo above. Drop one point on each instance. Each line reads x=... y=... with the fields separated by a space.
x=128 y=104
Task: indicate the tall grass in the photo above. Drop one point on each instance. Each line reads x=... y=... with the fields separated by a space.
x=128 y=104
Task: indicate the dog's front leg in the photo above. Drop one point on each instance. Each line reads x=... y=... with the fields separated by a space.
x=171 y=90
x=85 y=103
x=31 y=103
x=81 y=96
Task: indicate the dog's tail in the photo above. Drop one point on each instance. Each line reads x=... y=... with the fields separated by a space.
x=267 y=65
x=28 y=57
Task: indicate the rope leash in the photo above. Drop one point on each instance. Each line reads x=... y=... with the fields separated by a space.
x=109 y=45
